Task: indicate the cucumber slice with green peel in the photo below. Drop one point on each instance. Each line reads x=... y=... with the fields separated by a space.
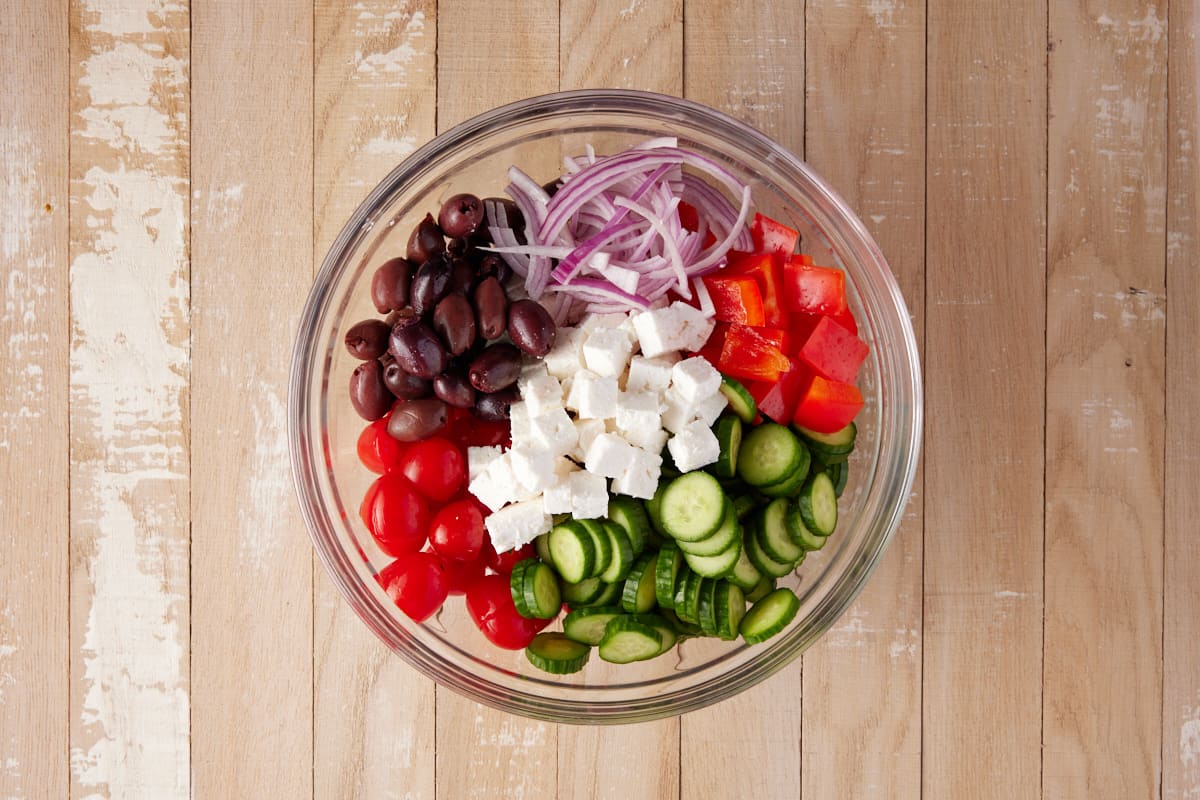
x=638 y=593
x=800 y=533
x=728 y=430
x=572 y=551
x=621 y=549
x=769 y=615
x=774 y=533
x=706 y=606
x=535 y=589
x=610 y=594
x=839 y=473
x=666 y=572
x=743 y=504
x=693 y=507
x=759 y=558
x=730 y=608
x=683 y=630
x=553 y=652
x=788 y=487
x=679 y=596
x=818 y=506
x=669 y=635
x=630 y=514
x=601 y=543
x=741 y=402
x=689 y=611
x=627 y=639
x=744 y=574
x=587 y=625
x=770 y=454
x=765 y=586
x=582 y=593
x=541 y=546
x=654 y=510
x=718 y=566
x=830 y=448
x=721 y=539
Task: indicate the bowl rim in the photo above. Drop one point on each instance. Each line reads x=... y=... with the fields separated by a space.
x=304 y=457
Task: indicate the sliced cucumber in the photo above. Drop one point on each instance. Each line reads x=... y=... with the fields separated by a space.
x=679 y=596
x=573 y=551
x=770 y=454
x=769 y=615
x=601 y=543
x=582 y=593
x=759 y=558
x=541 y=546
x=638 y=592
x=628 y=639
x=730 y=608
x=788 y=487
x=687 y=596
x=621 y=548
x=741 y=402
x=666 y=572
x=706 y=606
x=535 y=590
x=587 y=625
x=693 y=506
x=683 y=630
x=830 y=448
x=610 y=594
x=654 y=509
x=728 y=431
x=765 y=586
x=718 y=566
x=818 y=504
x=800 y=533
x=744 y=574
x=743 y=504
x=774 y=533
x=839 y=473
x=721 y=539
x=553 y=652
x=669 y=635
x=630 y=514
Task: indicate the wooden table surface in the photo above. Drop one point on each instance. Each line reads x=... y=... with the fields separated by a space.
x=173 y=172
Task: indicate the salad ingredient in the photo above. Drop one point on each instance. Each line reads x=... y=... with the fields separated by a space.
x=436 y=467
x=628 y=638
x=693 y=506
x=368 y=393
x=368 y=339
x=417 y=348
x=402 y=384
x=769 y=454
x=490 y=605
x=833 y=352
x=817 y=290
x=426 y=241
x=457 y=532
x=416 y=583
x=817 y=503
x=496 y=368
x=454 y=323
x=553 y=652
x=765 y=269
x=396 y=514
x=638 y=591
x=531 y=327
x=535 y=590
x=503 y=563
x=826 y=406
x=741 y=401
x=830 y=448
x=461 y=574
x=378 y=451
x=461 y=215
x=773 y=237
x=431 y=283
x=735 y=298
x=491 y=307
x=413 y=420
x=769 y=615
x=454 y=388
x=495 y=406
x=752 y=354
x=390 y=284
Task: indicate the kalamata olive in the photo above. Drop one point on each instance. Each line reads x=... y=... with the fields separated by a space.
x=457 y=247
x=417 y=350
x=389 y=285
x=454 y=321
x=491 y=308
x=462 y=275
x=493 y=264
x=413 y=420
x=454 y=389
x=426 y=241
x=404 y=385
x=531 y=327
x=496 y=368
x=368 y=394
x=368 y=339
x=430 y=284
x=495 y=406
x=461 y=215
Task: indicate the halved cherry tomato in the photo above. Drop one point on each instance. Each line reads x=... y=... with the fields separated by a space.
x=826 y=406
x=396 y=514
x=416 y=583
x=735 y=298
x=833 y=351
x=490 y=604
x=457 y=531
x=436 y=466
x=503 y=563
x=378 y=450
x=773 y=237
x=749 y=354
x=461 y=574
x=816 y=290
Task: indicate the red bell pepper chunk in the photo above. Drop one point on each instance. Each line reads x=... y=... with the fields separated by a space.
x=833 y=351
x=748 y=354
x=764 y=268
x=816 y=290
x=735 y=298
x=779 y=401
x=773 y=237
x=716 y=340
x=689 y=219
x=805 y=259
x=826 y=406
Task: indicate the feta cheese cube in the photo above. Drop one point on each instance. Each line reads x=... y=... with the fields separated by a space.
x=616 y=321
x=541 y=393
x=478 y=459
x=532 y=468
x=556 y=499
x=518 y=424
x=640 y=478
x=607 y=351
x=695 y=379
x=586 y=430
x=593 y=396
x=708 y=409
x=566 y=357
x=638 y=411
x=608 y=455
x=517 y=524
x=677 y=412
x=650 y=439
x=494 y=487
x=589 y=495
x=697 y=327
x=679 y=326
x=693 y=447
x=553 y=433
x=648 y=374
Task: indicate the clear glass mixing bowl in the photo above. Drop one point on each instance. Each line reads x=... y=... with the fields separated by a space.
x=474 y=157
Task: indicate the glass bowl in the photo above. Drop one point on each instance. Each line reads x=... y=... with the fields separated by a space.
x=323 y=428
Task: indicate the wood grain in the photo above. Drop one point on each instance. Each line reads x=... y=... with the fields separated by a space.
x=1104 y=400
x=984 y=329
x=1181 y=577
x=252 y=243
x=374 y=101
x=129 y=396
x=34 y=444
x=865 y=114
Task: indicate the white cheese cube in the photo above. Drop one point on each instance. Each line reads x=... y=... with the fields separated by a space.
x=609 y=455
x=697 y=327
x=638 y=411
x=494 y=487
x=541 y=393
x=478 y=459
x=651 y=439
x=693 y=447
x=566 y=357
x=677 y=412
x=708 y=409
x=648 y=374
x=518 y=424
x=695 y=379
x=606 y=351
x=679 y=326
x=517 y=524
x=640 y=478
x=586 y=430
x=596 y=322
x=593 y=396
x=553 y=433
x=556 y=499
x=589 y=495
x=532 y=468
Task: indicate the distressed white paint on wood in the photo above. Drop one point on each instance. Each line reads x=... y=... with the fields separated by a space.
x=129 y=397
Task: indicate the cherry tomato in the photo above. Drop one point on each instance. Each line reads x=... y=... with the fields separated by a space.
x=416 y=583
x=436 y=466
x=503 y=563
x=490 y=604
x=461 y=574
x=457 y=531
x=377 y=449
x=396 y=514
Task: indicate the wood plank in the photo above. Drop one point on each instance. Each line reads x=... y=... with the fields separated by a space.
x=1181 y=578
x=984 y=365
x=485 y=60
x=747 y=59
x=129 y=399
x=34 y=445
x=1104 y=400
x=866 y=135
x=375 y=103
x=252 y=244
x=634 y=46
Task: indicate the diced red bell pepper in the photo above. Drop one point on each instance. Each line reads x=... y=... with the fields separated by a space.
x=735 y=298
x=805 y=259
x=764 y=268
x=779 y=401
x=748 y=354
x=801 y=325
x=816 y=290
x=826 y=406
x=773 y=237
x=833 y=351
x=689 y=219
x=716 y=340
